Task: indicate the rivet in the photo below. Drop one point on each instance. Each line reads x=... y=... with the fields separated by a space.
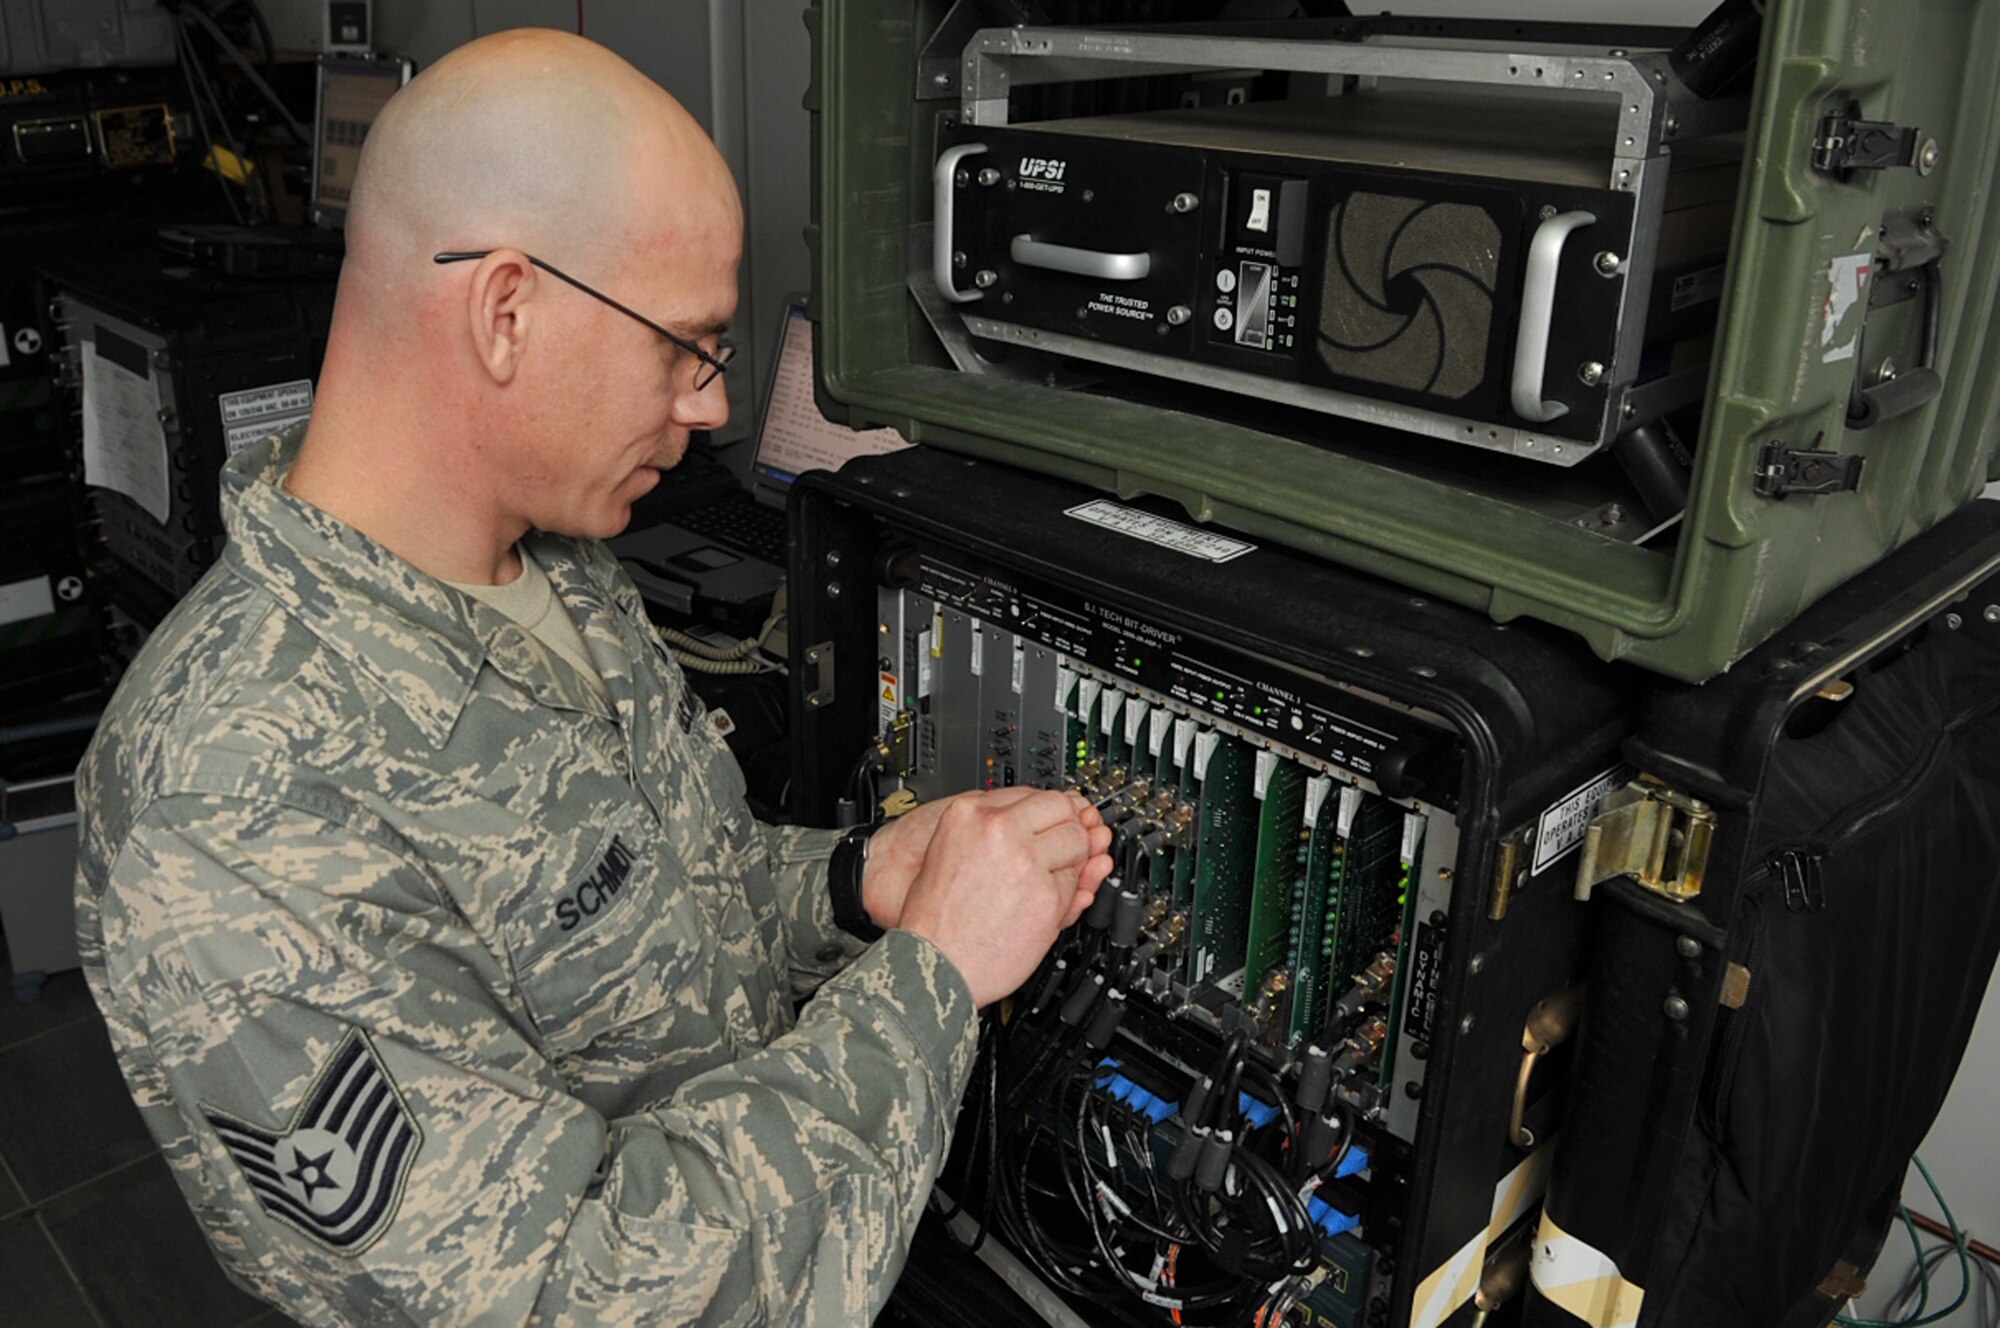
x=1590 y=372
x=1991 y=613
x=1953 y=622
x=985 y=277
x=1608 y=264
x=1676 y=1008
x=1689 y=947
x=833 y=590
x=833 y=557
x=989 y=176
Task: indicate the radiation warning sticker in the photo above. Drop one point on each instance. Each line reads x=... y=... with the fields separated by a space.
x=887 y=705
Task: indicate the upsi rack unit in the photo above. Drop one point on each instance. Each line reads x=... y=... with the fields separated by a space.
x=1345 y=834
x=1479 y=252
x=1657 y=335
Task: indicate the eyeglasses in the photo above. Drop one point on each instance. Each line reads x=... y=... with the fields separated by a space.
x=712 y=365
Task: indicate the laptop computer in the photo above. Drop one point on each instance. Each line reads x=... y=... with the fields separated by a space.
x=724 y=553
x=353 y=89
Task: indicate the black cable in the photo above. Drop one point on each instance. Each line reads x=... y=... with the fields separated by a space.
x=235 y=53
x=209 y=163
x=222 y=120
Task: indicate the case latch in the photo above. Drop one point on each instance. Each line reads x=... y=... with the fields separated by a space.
x=1657 y=835
x=1845 y=143
x=1782 y=471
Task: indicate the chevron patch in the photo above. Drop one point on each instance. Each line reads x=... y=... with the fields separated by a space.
x=335 y=1173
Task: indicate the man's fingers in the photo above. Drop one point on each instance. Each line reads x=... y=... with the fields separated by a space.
x=1045 y=809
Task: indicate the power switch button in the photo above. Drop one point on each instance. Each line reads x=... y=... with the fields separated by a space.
x=1260 y=211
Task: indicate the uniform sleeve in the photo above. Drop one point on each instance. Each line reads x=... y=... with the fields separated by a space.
x=354 y=1105
x=817 y=947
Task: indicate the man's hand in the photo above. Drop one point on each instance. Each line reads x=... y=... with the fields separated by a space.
x=896 y=853
x=1002 y=874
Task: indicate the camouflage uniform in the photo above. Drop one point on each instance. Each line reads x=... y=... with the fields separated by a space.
x=453 y=996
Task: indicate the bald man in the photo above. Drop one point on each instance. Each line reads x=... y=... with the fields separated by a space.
x=437 y=943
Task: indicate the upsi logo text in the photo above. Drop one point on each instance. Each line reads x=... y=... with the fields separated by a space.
x=1042 y=168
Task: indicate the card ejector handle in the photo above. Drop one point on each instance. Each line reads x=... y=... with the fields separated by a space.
x=1538 y=302
x=944 y=178
x=1083 y=262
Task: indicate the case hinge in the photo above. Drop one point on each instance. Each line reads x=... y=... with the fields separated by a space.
x=1657 y=835
x=1510 y=870
x=1785 y=470
x=1845 y=143
x=820 y=659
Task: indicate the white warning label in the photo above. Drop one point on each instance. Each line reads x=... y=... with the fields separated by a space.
x=1562 y=826
x=258 y=412
x=1167 y=533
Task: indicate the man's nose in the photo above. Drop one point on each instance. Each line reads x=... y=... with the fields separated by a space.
x=704 y=409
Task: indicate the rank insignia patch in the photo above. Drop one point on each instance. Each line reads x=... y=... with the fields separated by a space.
x=336 y=1172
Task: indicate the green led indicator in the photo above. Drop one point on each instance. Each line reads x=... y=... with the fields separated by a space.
x=1259 y=710
x=1221 y=696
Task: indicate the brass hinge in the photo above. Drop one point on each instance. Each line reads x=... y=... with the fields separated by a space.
x=1845 y=1282
x=1657 y=835
x=1510 y=869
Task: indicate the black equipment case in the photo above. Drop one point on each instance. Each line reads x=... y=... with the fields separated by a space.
x=229 y=359
x=1764 y=1044
x=1514 y=746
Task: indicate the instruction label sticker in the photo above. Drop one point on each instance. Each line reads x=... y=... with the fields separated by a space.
x=1167 y=533
x=1845 y=306
x=1561 y=828
x=21 y=600
x=259 y=412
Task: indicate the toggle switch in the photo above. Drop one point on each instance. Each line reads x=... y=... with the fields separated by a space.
x=1260 y=211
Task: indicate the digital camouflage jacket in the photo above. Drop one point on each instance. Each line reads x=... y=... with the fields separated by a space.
x=453 y=997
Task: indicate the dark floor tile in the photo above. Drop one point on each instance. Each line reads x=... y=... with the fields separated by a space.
x=135 y=1247
x=33 y=1283
x=65 y=1115
x=11 y=1199
x=64 y=1000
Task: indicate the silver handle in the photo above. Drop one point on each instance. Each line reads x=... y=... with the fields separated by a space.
x=1083 y=262
x=943 y=180
x=1538 y=301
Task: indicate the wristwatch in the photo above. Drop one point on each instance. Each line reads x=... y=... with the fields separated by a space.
x=843 y=883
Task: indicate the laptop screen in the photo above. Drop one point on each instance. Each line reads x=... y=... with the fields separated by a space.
x=795 y=436
x=352 y=92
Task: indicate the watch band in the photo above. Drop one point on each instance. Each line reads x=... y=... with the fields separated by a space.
x=843 y=883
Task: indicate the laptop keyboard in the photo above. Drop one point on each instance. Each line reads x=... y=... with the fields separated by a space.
x=743 y=523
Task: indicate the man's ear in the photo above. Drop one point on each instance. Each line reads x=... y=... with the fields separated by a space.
x=499 y=307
